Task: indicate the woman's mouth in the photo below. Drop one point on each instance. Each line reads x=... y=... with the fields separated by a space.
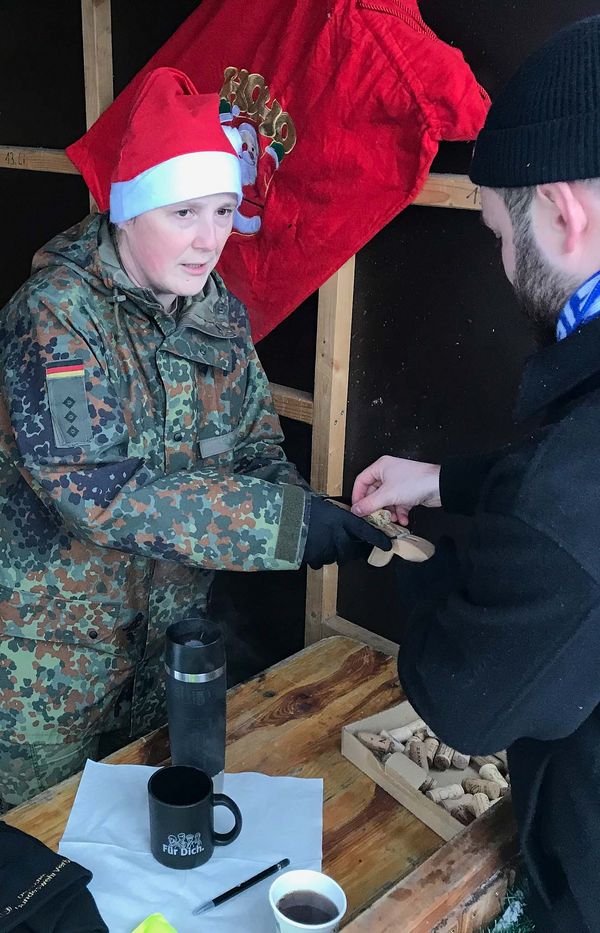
x=196 y=268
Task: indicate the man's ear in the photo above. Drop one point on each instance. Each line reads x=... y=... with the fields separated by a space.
x=562 y=207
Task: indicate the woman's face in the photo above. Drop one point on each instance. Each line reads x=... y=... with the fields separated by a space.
x=172 y=250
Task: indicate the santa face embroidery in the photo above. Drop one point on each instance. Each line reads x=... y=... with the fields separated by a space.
x=262 y=133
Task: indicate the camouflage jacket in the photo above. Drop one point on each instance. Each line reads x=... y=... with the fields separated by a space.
x=139 y=453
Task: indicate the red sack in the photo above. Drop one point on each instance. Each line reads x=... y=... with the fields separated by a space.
x=341 y=105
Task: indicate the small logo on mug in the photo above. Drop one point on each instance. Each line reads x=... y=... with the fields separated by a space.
x=183 y=844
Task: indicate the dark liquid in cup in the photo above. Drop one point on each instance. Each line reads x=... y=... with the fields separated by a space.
x=307 y=907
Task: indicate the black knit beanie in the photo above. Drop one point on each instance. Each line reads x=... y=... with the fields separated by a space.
x=545 y=124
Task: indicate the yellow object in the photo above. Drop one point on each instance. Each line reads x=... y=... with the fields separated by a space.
x=155 y=923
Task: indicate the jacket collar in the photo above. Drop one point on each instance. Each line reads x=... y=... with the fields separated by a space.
x=557 y=371
x=204 y=327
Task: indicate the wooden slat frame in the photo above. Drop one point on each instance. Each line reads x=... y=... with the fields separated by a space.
x=292 y=403
x=36 y=160
x=97 y=57
x=336 y=625
x=97 y=60
x=325 y=410
x=456 y=192
x=330 y=401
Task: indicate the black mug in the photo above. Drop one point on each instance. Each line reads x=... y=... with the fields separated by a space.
x=181 y=803
x=196 y=695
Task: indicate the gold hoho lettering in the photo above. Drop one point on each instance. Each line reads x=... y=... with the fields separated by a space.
x=251 y=94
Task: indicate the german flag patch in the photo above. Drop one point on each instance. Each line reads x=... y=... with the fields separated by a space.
x=64 y=370
x=67 y=401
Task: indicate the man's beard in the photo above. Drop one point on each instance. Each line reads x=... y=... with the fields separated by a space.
x=541 y=290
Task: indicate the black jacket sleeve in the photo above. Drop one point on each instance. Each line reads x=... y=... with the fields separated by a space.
x=461 y=480
x=511 y=648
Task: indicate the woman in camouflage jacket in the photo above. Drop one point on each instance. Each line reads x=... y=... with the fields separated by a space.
x=139 y=448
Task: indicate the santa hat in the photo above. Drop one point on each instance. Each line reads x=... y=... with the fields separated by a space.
x=173 y=148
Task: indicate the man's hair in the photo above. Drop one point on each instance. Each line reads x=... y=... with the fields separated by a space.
x=518 y=203
x=519 y=200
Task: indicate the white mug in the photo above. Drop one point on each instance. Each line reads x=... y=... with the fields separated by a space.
x=305 y=880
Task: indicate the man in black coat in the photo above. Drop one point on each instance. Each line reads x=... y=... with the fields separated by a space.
x=505 y=650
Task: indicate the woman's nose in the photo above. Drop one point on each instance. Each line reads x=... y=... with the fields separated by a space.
x=205 y=237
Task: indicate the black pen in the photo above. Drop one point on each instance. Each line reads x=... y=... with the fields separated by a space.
x=221 y=898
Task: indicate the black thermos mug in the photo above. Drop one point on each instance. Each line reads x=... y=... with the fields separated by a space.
x=196 y=695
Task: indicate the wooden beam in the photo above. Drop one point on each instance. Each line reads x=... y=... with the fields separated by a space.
x=292 y=403
x=97 y=57
x=97 y=61
x=321 y=601
x=331 y=380
x=447 y=879
x=454 y=191
x=336 y=625
x=480 y=908
x=36 y=160
x=330 y=402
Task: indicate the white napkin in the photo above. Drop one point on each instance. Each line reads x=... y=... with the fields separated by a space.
x=108 y=833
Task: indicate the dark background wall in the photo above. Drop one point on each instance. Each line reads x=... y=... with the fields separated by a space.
x=438 y=343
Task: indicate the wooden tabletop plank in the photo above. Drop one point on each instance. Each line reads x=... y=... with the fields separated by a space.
x=288 y=721
x=423 y=899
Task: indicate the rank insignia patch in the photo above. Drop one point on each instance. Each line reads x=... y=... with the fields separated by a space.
x=67 y=400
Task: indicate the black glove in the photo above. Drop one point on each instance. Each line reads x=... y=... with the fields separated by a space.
x=337 y=536
x=42 y=892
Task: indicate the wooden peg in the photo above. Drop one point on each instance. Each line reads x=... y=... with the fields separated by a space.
x=416 y=751
x=396 y=745
x=443 y=757
x=461 y=761
x=478 y=805
x=431 y=747
x=491 y=773
x=476 y=786
x=428 y=784
x=437 y=794
x=375 y=742
x=463 y=815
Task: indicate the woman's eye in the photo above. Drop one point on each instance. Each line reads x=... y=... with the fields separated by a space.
x=184 y=212
x=225 y=211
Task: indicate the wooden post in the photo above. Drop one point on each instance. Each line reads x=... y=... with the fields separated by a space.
x=97 y=60
x=329 y=426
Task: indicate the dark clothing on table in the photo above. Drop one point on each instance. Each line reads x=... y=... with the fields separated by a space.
x=42 y=892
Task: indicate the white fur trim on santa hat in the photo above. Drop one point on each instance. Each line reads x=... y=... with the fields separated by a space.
x=192 y=175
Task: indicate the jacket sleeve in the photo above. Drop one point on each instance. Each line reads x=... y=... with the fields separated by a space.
x=202 y=517
x=511 y=650
x=258 y=452
x=462 y=479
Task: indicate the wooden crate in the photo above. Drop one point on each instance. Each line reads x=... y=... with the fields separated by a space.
x=400 y=776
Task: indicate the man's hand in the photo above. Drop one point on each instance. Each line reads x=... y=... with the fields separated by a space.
x=336 y=536
x=398 y=485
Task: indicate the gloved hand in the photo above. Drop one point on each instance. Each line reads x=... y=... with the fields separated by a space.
x=337 y=536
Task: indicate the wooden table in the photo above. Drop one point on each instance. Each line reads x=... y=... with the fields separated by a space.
x=288 y=721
